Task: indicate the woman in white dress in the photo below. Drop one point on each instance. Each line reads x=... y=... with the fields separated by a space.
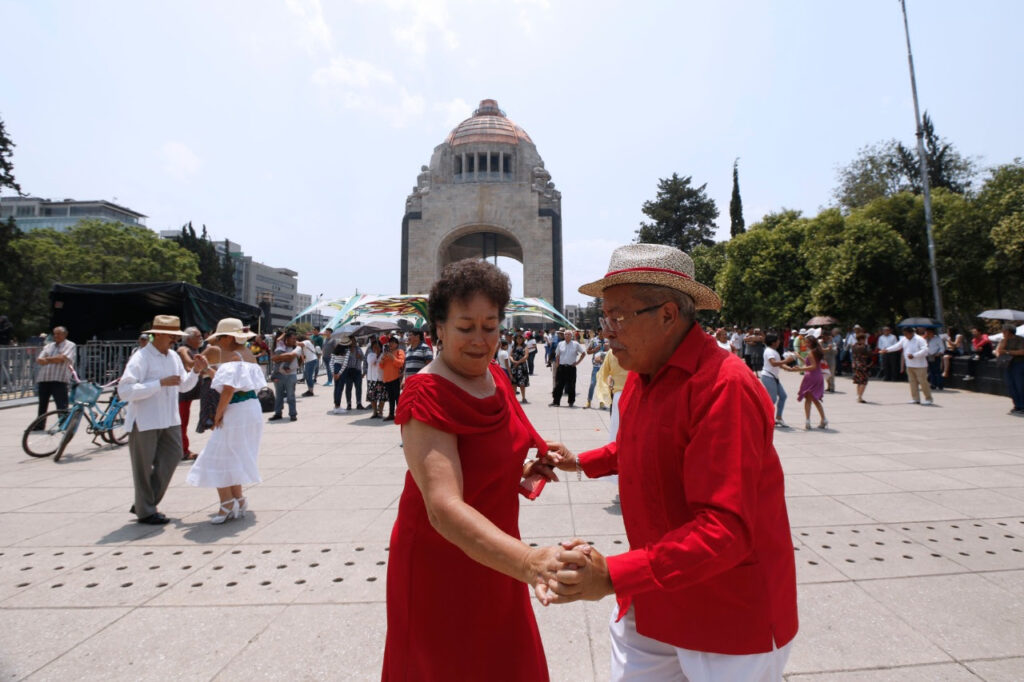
x=229 y=459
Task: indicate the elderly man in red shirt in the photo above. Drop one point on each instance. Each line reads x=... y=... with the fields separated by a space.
x=707 y=590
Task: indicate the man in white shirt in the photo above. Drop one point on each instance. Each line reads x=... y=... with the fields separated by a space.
x=736 y=341
x=531 y=350
x=54 y=374
x=915 y=357
x=151 y=383
x=568 y=354
x=889 y=363
x=936 y=349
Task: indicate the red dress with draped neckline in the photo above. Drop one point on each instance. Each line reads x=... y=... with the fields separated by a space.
x=449 y=617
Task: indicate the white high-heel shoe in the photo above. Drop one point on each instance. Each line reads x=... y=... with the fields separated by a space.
x=228 y=510
x=243 y=506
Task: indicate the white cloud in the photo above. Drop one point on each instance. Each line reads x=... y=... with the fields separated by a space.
x=180 y=162
x=454 y=111
x=528 y=10
x=356 y=73
x=426 y=19
x=362 y=86
x=311 y=13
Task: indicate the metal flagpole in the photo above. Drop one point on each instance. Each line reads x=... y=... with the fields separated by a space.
x=939 y=315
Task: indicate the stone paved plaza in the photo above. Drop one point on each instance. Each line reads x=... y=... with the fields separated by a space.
x=908 y=526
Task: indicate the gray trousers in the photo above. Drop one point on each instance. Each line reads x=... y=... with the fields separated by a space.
x=155 y=454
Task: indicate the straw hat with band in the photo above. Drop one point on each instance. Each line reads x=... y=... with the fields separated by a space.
x=166 y=324
x=655 y=264
x=233 y=327
x=344 y=339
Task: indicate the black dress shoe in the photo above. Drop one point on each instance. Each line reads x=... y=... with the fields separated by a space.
x=157 y=519
x=275 y=418
x=389 y=418
x=132 y=510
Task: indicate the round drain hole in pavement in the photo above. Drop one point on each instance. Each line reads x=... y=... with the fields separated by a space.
x=57 y=553
x=88 y=568
x=325 y=550
x=161 y=584
x=280 y=566
x=217 y=568
x=197 y=584
x=208 y=551
x=360 y=549
x=850 y=561
x=87 y=554
x=937 y=556
x=266 y=551
x=878 y=558
x=250 y=566
x=300 y=582
x=92 y=584
x=350 y=563
x=28 y=554
x=371 y=578
x=27 y=568
x=296 y=551
x=337 y=580
x=186 y=567
x=147 y=553
x=813 y=563
x=265 y=583
x=907 y=556
x=236 y=551
x=533 y=544
x=989 y=551
x=126 y=585
x=121 y=568
x=616 y=542
x=314 y=565
x=118 y=553
x=232 y=583
x=177 y=553
x=59 y=568
x=56 y=585
x=23 y=584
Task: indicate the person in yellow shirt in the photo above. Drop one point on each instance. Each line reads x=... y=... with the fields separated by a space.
x=611 y=379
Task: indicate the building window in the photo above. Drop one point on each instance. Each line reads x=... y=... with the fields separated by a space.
x=26 y=210
x=458 y=164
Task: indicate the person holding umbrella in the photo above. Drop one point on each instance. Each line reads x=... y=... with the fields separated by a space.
x=1010 y=357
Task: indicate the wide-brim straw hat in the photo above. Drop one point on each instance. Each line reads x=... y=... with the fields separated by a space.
x=656 y=264
x=344 y=339
x=165 y=324
x=233 y=327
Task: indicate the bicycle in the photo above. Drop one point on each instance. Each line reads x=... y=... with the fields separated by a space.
x=42 y=440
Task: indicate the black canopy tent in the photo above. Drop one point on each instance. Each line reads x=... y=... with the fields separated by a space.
x=120 y=311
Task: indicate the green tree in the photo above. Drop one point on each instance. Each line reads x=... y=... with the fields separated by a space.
x=887 y=168
x=6 y=167
x=216 y=273
x=857 y=276
x=947 y=168
x=765 y=280
x=736 y=224
x=1000 y=206
x=95 y=252
x=708 y=261
x=681 y=215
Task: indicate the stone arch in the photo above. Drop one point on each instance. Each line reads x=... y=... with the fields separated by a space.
x=478 y=240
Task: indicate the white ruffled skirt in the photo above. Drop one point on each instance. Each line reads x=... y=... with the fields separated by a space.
x=231 y=456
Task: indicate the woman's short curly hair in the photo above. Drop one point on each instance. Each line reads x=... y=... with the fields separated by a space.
x=461 y=281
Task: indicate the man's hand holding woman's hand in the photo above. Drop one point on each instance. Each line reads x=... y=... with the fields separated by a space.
x=568 y=572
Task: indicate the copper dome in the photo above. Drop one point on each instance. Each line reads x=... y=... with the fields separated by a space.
x=488 y=124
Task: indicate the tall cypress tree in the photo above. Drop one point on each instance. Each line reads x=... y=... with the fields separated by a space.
x=736 y=224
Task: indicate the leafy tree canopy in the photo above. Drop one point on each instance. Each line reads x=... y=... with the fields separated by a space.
x=889 y=167
x=681 y=215
x=6 y=167
x=94 y=252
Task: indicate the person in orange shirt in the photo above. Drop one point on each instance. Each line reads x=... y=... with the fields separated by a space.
x=391 y=362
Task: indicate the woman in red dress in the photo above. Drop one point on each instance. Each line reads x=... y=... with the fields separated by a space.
x=458 y=605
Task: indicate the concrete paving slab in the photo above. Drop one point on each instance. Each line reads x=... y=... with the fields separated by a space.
x=943 y=672
x=847 y=629
x=998 y=670
x=28 y=641
x=966 y=615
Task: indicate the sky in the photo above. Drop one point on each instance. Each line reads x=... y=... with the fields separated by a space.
x=297 y=128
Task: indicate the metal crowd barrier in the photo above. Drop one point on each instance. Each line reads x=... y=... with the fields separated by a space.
x=99 y=361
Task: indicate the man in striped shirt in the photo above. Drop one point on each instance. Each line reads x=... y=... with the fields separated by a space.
x=55 y=362
x=417 y=355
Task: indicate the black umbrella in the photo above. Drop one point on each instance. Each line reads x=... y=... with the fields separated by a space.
x=920 y=322
x=1003 y=314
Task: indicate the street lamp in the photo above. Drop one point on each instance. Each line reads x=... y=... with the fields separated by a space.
x=939 y=315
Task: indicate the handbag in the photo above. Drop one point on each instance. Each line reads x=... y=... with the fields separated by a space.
x=208 y=401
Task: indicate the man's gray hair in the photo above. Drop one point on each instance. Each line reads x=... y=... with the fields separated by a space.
x=192 y=331
x=61 y=328
x=1010 y=327
x=652 y=294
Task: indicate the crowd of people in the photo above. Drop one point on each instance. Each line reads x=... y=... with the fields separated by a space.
x=707 y=587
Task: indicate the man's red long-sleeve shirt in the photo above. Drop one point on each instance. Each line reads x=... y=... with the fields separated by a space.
x=710 y=566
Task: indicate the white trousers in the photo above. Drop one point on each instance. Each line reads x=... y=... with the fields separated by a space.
x=641 y=659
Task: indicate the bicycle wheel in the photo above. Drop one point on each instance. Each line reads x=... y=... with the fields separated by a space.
x=69 y=433
x=117 y=434
x=44 y=434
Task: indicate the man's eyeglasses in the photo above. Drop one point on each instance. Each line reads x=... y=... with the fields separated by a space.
x=614 y=324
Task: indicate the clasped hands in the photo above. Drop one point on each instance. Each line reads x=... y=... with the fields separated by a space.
x=572 y=570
